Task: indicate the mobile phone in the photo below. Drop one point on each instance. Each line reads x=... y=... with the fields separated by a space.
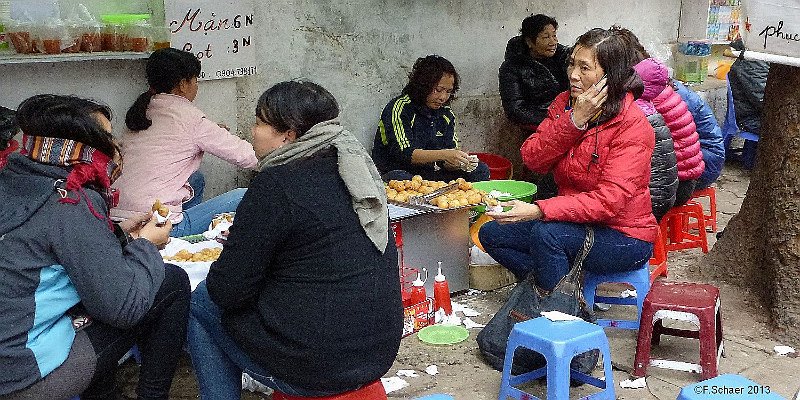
x=604 y=83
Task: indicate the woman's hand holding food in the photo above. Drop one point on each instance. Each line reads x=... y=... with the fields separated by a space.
x=132 y=225
x=454 y=159
x=520 y=211
x=156 y=233
x=589 y=103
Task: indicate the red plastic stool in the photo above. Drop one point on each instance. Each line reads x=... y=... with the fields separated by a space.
x=711 y=217
x=372 y=391
x=693 y=302
x=677 y=229
x=658 y=262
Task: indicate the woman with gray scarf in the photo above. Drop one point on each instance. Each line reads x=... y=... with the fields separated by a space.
x=305 y=297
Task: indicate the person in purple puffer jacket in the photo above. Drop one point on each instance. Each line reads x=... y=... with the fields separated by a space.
x=684 y=134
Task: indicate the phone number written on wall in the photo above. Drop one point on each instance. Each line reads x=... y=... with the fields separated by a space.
x=230 y=72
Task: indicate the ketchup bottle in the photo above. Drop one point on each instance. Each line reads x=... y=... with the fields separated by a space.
x=441 y=292
x=418 y=289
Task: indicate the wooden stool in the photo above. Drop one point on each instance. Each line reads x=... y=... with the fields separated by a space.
x=711 y=217
x=676 y=227
x=371 y=391
x=692 y=302
x=658 y=262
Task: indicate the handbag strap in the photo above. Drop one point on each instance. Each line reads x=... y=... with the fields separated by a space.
x=573 y=280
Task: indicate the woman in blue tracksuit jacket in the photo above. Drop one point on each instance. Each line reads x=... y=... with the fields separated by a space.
x=711 y=143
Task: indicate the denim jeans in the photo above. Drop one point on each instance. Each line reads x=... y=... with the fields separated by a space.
x=198 y=218
x=218 y=361
x=198 y=183
x=547 y=249
x=160 y=336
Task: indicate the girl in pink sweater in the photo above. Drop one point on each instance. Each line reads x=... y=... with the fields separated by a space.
x=164 y=145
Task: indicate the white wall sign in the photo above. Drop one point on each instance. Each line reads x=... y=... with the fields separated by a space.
x=772 y=26
x=219 y=33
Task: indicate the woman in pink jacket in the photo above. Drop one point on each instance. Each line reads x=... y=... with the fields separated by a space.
x=164 y=145
x=684 y=133
x=598 y=144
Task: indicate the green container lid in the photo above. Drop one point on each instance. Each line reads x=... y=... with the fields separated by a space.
x=124 y=19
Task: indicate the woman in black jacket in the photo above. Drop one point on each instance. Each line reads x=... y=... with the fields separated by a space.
x=534 y=71
x=305 y=296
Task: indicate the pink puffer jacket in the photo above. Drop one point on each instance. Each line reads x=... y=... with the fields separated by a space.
x=676 y=114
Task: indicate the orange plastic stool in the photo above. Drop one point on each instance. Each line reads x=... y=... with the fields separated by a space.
x=677 y=229
x=372 y=391
x=658 y=262
x=692 y=302
x=711 y=217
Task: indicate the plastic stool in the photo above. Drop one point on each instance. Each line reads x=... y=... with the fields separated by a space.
x=639 y=279
x=694 y=302
x=676 y=228
x=735 y=388
x=371 y=391
x=711 y=217
x=435 y=397
x=659 y=259
x=558 y=342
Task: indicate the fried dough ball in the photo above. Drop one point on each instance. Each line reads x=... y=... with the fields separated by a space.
x=161 y=209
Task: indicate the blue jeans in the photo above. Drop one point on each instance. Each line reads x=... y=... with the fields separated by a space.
x=198 y=183
x=198 y=218
x=547 y=249
x=218 y=361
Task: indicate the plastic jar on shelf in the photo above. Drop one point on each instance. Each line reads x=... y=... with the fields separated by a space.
x=138 y=37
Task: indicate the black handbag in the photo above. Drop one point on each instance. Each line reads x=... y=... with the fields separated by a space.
x=527 y=301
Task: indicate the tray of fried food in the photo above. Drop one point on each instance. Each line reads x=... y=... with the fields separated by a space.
x=456 y=194
x=180 y=251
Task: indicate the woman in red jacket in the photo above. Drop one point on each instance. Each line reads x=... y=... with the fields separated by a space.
x=598 y=144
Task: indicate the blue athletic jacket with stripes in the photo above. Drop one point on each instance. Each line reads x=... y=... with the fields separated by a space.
x=405 y=126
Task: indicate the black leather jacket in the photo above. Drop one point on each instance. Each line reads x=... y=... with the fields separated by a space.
x=529 y=85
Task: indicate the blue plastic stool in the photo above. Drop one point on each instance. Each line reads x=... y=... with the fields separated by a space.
x=435 y=397
x=639 y=279
x=728 y=387
x=558 y=342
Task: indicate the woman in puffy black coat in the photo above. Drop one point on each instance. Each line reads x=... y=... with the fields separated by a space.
x=534 y=71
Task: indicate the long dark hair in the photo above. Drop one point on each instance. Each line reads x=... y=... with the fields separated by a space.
x=166 y=68
x=535 y=23
x=296 y=105
x=613 y=54
x=425 y=74
x=66 y=117
x=639 y=53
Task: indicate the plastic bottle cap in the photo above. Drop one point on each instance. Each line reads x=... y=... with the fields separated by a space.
x=439 y=276
x=418 y=281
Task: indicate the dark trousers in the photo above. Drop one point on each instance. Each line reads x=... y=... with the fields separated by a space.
x=547 y=249
x=481 y=173
x=160 y=336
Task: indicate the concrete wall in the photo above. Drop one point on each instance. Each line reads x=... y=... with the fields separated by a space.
x=362 y=51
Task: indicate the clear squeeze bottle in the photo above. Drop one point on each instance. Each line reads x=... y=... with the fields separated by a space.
x=441 y=292
x=418 y=289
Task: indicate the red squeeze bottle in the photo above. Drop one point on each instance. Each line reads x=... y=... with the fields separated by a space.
x=418 y=290
x=441 y=292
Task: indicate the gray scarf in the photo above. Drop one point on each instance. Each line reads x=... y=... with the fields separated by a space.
x=355 y=167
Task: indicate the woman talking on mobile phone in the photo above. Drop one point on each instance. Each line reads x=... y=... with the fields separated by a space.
x=598 y=144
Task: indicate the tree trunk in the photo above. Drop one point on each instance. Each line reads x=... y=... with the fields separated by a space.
x=761 y=246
